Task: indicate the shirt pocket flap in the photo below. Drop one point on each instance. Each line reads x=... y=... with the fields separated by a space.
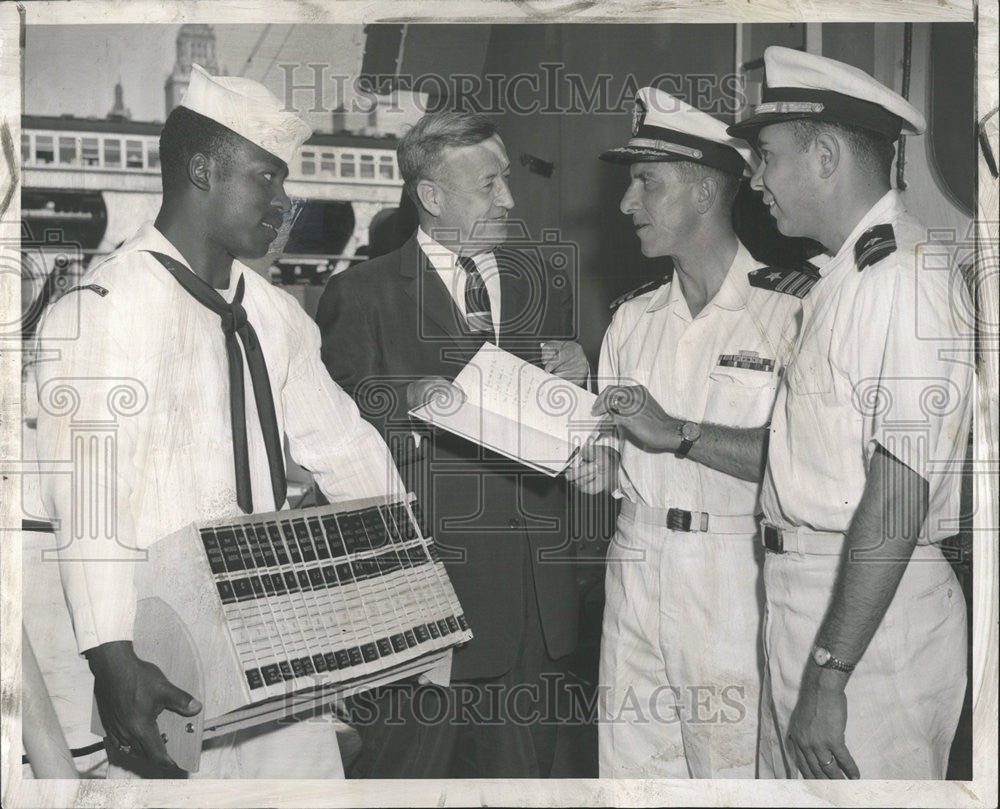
x=742 y=376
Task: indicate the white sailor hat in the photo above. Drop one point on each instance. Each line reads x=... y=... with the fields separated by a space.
x=249 y=109
x=666 y=129
x=802 y=85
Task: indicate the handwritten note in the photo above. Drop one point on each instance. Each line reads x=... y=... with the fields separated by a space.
x=516 y=409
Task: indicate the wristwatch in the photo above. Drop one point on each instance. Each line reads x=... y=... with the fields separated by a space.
x=824 y=659
x=690 y=431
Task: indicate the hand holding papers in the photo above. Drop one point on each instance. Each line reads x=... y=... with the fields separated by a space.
x=565 y=359
x=595 y=468
x=516 y=409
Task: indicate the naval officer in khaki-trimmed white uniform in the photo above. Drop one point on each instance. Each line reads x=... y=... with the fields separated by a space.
x=866 y=633
x=679 y=673
x=865 y=628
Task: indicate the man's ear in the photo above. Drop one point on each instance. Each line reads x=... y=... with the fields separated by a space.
x=705 y=194
x=199 y=170
x=829 y=151
x=429 y=196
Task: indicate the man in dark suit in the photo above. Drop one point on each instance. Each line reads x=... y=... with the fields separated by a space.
x=395 y=331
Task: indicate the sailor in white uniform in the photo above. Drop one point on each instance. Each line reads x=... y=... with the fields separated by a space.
x=188 y=371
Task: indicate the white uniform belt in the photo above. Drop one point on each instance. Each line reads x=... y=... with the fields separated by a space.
x=806 y=542
x=677 y=519
x=803 y=541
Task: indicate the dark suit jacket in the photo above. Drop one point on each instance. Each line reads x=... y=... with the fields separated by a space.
x=390 y=321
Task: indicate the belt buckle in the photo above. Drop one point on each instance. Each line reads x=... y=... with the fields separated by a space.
x=771 y=538
x=678 y=519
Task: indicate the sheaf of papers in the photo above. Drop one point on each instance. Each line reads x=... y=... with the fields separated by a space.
x=516 y=409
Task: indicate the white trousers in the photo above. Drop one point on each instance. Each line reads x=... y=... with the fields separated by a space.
x=679 y=672
x=905 y=696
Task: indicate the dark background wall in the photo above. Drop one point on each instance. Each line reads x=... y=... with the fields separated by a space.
x=563 y=93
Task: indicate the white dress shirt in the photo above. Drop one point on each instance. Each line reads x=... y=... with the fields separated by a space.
x=445 y=263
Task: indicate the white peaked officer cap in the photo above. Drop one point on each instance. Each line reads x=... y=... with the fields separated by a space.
x=802 y=85
x=249 y=109
x=666 y=129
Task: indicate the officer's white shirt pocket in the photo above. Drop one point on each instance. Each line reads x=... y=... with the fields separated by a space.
x=740 y=397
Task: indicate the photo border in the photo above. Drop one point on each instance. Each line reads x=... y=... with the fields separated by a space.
x=18 y=792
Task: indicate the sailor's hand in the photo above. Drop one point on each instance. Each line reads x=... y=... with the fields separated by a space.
x=594 y=469
x=130 y=694
x=435 y=389
x=638 y=417
x=565 y=359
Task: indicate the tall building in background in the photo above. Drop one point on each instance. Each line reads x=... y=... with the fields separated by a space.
x=119 y=112
x=339 y=120
x=195 y=43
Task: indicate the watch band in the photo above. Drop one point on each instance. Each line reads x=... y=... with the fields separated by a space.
x=825 y=659
x=839 y=665
x=683 y=448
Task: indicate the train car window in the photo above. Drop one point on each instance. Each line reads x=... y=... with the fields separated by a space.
x=67 y=151
x=44 y=149
x=133 y=154
x=112 y=153
x=89 y=152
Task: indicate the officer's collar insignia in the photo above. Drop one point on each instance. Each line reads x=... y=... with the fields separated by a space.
x=874 y=245
x=778 y=279
x=638 y=116
x=647 y=287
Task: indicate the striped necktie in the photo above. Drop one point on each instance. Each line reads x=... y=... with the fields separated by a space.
x=477 y=300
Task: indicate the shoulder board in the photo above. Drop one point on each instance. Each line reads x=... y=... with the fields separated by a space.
x=635 y=293
x=874 y=245
x=92 y=287
x=778 y=279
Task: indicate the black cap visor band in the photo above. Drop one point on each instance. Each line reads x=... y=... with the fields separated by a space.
x=781 y=104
